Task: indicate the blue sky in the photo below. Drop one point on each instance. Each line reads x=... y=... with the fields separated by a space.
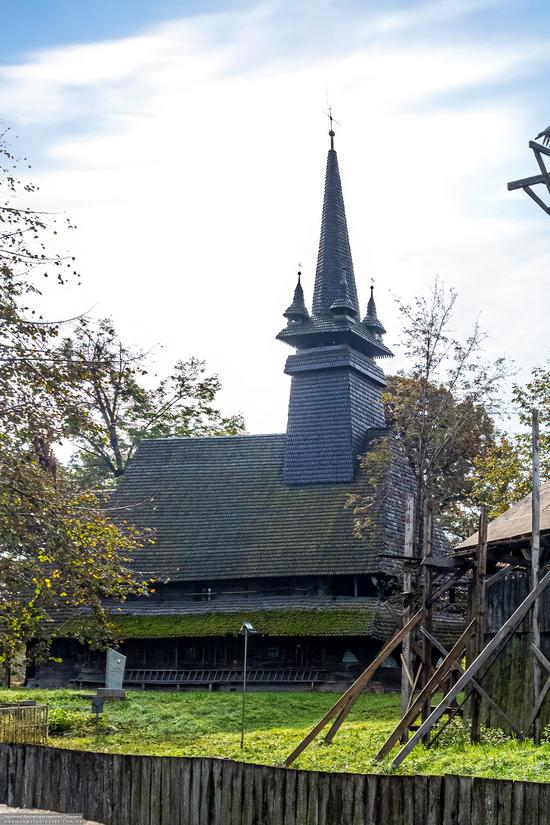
x=188 y=143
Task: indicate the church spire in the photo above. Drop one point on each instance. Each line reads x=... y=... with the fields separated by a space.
x=334 y=250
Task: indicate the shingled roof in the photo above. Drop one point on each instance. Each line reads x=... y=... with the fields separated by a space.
x=220 y=509
x=514 y=525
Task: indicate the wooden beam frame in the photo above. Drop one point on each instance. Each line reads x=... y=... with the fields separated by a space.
x=526 y=183
x=490 y=648
x=425 y=695
x=347 y=700
x=477 y=687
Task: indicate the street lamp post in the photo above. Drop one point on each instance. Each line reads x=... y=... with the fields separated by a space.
x=245 y=630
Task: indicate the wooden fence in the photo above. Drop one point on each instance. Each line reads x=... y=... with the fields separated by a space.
x=146 y=790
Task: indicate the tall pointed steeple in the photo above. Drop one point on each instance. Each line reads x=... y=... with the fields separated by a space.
x=336 y=390
x=334 y=254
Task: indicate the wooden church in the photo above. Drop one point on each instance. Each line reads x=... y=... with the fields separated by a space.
x=255 y=528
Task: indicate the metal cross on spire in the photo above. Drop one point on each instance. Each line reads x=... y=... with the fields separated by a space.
x=332 y=121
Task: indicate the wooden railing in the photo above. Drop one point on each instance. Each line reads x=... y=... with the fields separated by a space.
x=146 y=790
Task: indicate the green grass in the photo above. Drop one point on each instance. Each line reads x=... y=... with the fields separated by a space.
x=207 y=724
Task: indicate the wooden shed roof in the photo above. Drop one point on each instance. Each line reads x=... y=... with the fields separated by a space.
x=515 y=524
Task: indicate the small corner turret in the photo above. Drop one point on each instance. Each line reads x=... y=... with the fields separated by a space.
x=297 y=312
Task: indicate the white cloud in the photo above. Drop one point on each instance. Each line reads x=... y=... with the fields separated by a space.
x=196 y=174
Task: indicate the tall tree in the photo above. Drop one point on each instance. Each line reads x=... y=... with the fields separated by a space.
x=115 y=401
x=440 y=407
x=58 y=546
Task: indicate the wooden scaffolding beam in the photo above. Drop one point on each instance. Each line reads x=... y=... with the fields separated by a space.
x=492 y=647
x=434 y=682
x=535 y=565
x=526 y=183
x=347 y=700
x=478 y=610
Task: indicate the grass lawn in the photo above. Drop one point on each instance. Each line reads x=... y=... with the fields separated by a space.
x=207 y=724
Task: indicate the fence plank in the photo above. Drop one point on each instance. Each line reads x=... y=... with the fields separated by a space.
x=248 y=817
x=165 y=790
x=228 y=769
x=237 y=795
x=435 y=800
x=491 y=813
x=518 y=802
x=334 y=797
x=504 y=803
x=478 y=802
x=420 y=800
x=371 y=802
x=195 y=806
x=124 y=804
x=186 y=790
x=135 y=790
x=156 y=791
x=4 y=758
x=544 y=802
x=532 y=804
x=346 y=817
x=176 y=769
x=312 y=799
x=384 y=800
x=395 y=787
x=408 y=799
x=206 y=790
x=450 y=800
x=324 y=793
x=145 y=792
x=29 y=777
x=290 y=797
x=106 y=766
x=464 y=800
x=301 y=798
x=275 y=780
x=216 y=812
x=358 y=783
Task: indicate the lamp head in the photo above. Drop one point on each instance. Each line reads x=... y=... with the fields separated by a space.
x=248 y=628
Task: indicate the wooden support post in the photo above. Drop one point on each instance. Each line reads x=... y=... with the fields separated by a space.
x=427 y=581
x=407 y=666
x=535 y=564
x=542 y=165
x=492 y=647
x=546 y=687
x=346 y=701
x=478 y=614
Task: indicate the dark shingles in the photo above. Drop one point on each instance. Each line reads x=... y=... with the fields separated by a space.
x=220 y=510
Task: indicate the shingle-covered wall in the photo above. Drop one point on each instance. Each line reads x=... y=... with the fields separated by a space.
x=335 y=397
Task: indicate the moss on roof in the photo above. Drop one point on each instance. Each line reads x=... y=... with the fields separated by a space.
x=270 y=623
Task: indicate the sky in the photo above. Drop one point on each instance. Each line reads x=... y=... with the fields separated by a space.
x=188 y=143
